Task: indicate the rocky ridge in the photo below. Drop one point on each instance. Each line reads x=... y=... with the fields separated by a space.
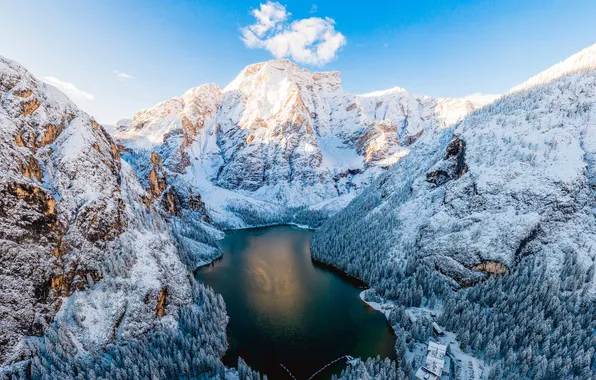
x=280 y=138
x=78 y=242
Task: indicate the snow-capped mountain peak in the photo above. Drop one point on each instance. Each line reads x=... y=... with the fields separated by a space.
x=278 y=132
x=276 y=71
x=389 y=91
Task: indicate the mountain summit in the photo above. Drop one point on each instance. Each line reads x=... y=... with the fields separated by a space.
x=282 y=137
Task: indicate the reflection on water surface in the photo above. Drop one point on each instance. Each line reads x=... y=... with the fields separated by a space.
x=285 y=310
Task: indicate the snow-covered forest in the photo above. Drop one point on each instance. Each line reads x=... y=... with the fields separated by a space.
x=492 y=224
x=193 y=349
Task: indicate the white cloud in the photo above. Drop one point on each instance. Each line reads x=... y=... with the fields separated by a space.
x=69 y=89
x=313 y=9
x=122 y=76
x=311 y=40
x=268 y=17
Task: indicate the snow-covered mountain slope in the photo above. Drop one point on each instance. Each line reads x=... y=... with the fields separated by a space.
x=581 y=62
x=280 y=137
x=78 y=243
x=515 y=178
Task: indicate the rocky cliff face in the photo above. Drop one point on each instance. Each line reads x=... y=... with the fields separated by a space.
x=78 y=243
x=284 y=136
x=515 y=178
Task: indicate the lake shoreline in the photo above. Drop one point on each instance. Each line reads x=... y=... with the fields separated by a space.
x=295 y=225
x=286 y=307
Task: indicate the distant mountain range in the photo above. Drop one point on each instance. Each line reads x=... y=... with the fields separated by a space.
x=280 y=137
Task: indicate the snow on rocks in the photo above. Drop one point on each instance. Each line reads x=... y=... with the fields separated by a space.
x=280 y=137
x=79 y=245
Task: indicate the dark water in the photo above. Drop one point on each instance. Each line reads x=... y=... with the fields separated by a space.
x=285 y=310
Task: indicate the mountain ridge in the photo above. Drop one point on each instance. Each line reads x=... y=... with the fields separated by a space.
x=498 y=183
x=580 y=62
x=278 y=131
x=80 y=245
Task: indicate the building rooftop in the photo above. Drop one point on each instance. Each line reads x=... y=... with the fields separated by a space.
x=424 y=374
x=435 y=361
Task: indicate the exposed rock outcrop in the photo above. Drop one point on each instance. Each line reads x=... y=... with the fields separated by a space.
x=195 y=203
x=170 y=202
x=454 y=164
x=162 y=298
x=73 y=217
x=158 y=178
x=491 y=267
x=30 y=208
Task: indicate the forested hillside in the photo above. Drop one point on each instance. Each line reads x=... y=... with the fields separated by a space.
x=508 y=192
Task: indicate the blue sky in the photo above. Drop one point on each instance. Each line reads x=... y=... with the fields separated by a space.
x=442 y=48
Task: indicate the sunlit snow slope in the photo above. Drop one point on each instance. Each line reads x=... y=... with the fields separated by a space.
x=281 y=138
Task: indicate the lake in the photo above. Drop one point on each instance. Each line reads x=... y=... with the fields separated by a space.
x=286 y=309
